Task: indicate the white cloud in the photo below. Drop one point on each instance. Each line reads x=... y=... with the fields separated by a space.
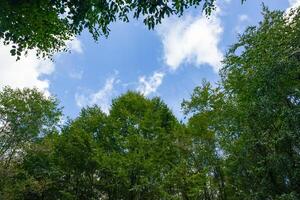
x=75 y=45
x=243 y=18
x=26 y=72
x=193 y=40
x=294 y=3
x=148 y=85
x=102 y=97
x=29 y=70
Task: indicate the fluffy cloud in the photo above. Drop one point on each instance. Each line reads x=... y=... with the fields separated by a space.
x=75 y=45
x=243 y=18
x=148 y=85
x=26 y=72
x=29 y=70
x=193 y=40
x=294 y=3
x=102 y=97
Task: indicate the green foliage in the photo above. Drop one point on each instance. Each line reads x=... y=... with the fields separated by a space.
x=25 y=115
x=145 y=134
x=127 y=154
x=205 y=153
x=262 y=84
x=240 y=141
x=33 y=24
x=47 y=25
x=251 y=119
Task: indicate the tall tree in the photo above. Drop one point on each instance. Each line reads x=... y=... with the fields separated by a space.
x=205 y=155
x=25 y=115
x=254 y=111
x=145 y=134
x=262 y=78
x=241 y=140
x=129 y=154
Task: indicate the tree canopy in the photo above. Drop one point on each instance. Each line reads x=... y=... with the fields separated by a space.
x=25 y=116
x=46 y=25
x=240 y=141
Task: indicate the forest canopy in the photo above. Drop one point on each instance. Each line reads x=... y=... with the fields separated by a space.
x=241 y=140
x=24 y=24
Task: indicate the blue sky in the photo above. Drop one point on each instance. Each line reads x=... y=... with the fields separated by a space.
x=168 y=62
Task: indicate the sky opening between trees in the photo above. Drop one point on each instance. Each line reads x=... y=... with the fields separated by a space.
x=240 y=141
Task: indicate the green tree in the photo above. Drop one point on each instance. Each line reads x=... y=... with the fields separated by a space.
x=252 y=116
x=205 y=154
x=261 y=78
x=241 y=140
x=25 y=116
x=144 y=130
x=46 y=25
x=64 y=165
x=128 y=154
